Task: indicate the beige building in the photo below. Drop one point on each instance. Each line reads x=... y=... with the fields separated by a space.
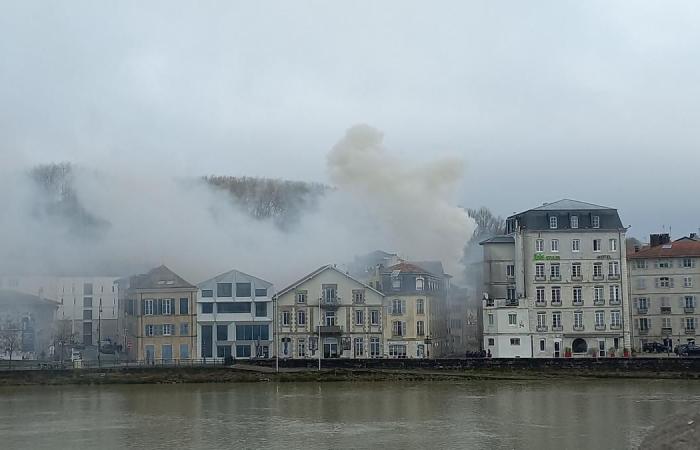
x=331 y=312
x=665 y=286
x=158 y=320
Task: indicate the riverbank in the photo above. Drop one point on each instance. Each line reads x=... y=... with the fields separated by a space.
x=369 y=370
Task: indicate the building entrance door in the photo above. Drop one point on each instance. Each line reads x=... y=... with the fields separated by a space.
x=557 y=349
x=330 y=350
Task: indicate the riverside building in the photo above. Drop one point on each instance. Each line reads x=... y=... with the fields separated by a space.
x=556 y=283
x=665 y=287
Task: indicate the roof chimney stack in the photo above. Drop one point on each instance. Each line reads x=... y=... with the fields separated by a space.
x=659 y=239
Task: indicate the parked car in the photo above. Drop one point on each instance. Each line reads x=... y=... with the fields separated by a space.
x=689 y=349
x=655 y=347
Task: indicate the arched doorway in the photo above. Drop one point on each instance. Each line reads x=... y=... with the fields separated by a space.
x=579 y=346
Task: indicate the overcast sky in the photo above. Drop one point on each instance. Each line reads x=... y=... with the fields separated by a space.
x=597 y=101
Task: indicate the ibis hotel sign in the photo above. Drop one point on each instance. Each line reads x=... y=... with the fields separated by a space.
x=543 y=257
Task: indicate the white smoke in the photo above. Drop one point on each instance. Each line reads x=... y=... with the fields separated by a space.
x=414 y=204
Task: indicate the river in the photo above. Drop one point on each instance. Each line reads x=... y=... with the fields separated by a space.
x=553 y=414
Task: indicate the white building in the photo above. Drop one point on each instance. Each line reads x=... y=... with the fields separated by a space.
x=565 y=263
x=234 y=317
x=329 y=305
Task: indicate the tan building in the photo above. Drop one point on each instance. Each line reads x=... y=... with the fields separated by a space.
x=665 y=286
x=333 y=308
x=158 y=320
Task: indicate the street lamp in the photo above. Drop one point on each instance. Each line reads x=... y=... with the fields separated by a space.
x=428 y=341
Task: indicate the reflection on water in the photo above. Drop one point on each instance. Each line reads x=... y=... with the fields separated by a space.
x=485 y=414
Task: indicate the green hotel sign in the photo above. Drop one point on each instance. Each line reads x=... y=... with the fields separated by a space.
x=543 y=257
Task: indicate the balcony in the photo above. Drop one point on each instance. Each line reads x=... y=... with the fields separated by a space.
x=665 y=310
x=540 y=303
x=329 y=302
x=599 y=302
x=556 y=302
x=329 y=329
x=540 y=278
x=616 y=327
x=600 y=327
x=642 y=310
x=579 y=327
x=512 y=302
x=598 y=278
x=643 y=331
x=576 y=278
x=689 y=309
x=541 y=328
x=557 y=328
x=615 y=302
x=577 y=303
x=690 y=331
x=613 y=276
x=555 y=278
x=666 y=331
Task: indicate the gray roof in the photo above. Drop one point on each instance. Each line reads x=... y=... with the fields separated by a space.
x=238 y=276
x=498 y=240
x=158 y=278
x=567 y=204
x=434 y=267
x=316 y=272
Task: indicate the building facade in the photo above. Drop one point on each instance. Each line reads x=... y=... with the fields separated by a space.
x=234 y=317
x=26 y=325
x=565 y=262
x=665 y=287
x=329 y=314
x=158 y=320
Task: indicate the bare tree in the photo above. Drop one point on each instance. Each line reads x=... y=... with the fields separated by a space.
x=10 y=339
x=63 y=337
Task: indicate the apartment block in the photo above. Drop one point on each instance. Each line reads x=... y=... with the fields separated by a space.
x=564 y=263
x=665 y=287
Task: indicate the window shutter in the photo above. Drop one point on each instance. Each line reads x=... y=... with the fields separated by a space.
x=656 y=282
x=159 y=306
x=693 y=262
x=143 y=307
x=670 y=263
x=636 y=302
x=403 y=326
x=670 y=282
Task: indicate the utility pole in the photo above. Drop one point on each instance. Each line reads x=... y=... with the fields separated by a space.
x=319 y=345
x=275 y=336
x=99 y=331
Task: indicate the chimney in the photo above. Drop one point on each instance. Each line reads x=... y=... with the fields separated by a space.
x=659 y=239
x=694 y=236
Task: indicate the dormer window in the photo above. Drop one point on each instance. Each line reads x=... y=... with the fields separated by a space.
x=596 y=221
x=574 y=221
x=419 y=283
x=553 y=224
x=396 y=282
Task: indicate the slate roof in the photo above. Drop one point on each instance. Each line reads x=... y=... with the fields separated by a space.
x=538 y=218
x=318 y=271
x=498 y=240
x=11 y=296
x=159 y=278
x=568 y=204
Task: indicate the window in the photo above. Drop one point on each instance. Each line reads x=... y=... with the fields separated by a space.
x=578 y=319
x=150 y=330
x=398 y=328
x=614 y=268
x=330 y=318
x=574 y=221
x=224 y=290
x=664 y=282
x=87 y=302
x=358 y=296
x=285 y=318
x=397 y=306
x=222 y=332
x=420 y=306
x=687 y=282
x=553 y=222
x=640 y=264
x=260 y=309
x=541 y=319
x=359 y=346
x=242 y=351
x=207 y=333
x=233 y=307
x=420 y=328
x=554 y=245
x=243 y=290
x=542 y=345
x=576 y=245
x=615 y=319
x=420 y=350
x=184 y=351
x=688 y=263
x=148 y=307
x=207 y=293
x=252 y=332
x=514 y=341
x=184 y=329
x=690 y=323
x=207 y=308
x=556 y=295
x=666 y=322
x=614 y=294
x=359 y=317
x=643 y=303
x=396 y=282
x=576 y=270
x=596 y=221
x=301 y=317
x=556 y=319
x=374 y=317
x=689 y=301
x=512 y=319
x=510 y=271
x=644 y=323
x=599 y=318
x=184 y=306
x=87 y=314
x=596 y=245
x=539 y=295
x=491 y=322
x=578 y=294
x=301 y=348
x=539 y=245
x=223 y=351
x=597 y=270
x=492 y=342
x=329 y=293
x=301 y=296
x=663 y=264
x=641 y=283
x=598 y=294
x=419 y=283
x=374 y=347
x=397 y=351
x=87 y=288
x=539 y=271
x=554 y=271
x=510 y=293
x=613 y=245
x=167 y=306
x=167 y=329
